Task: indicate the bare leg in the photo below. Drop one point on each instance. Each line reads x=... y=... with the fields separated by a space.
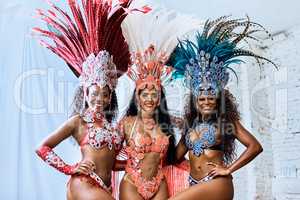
x=81 y=190
x=220 y=188
x=128 y=191
x=162 y=193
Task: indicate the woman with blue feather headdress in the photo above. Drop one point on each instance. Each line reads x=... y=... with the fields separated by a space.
x=213 y=118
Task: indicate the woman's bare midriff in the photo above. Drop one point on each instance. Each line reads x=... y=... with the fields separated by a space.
x=102 y=158
x=199 y=166
x=149 y=166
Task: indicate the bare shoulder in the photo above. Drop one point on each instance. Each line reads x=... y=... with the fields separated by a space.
x=191 y=131
x=193 y=134
x=163 y=134
x=240 y=131
x=74 y=121
x=239 y=128
x=126 y=125
x=128 y=120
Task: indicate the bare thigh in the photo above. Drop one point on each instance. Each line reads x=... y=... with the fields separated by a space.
x=162 y=193
x=220 y=188
x=128 y=191
x=81 y=190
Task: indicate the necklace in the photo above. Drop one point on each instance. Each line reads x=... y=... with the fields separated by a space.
x=148 y=123
x=90 y=116
x=102 y=135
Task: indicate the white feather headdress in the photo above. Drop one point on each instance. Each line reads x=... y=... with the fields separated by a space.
x=152 y=37
x=160 y=27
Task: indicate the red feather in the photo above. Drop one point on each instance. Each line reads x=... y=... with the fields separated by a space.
x=93 y=26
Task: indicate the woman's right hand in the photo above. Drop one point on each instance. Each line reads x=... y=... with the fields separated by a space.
x=85 y=167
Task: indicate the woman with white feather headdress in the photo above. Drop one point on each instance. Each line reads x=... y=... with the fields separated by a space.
x=147 y=127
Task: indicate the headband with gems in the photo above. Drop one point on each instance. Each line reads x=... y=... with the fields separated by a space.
x=99 y=70
x=205 y=63
x=205 y=77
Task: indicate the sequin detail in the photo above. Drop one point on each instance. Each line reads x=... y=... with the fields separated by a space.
x=207 y=138
x=193 y=181
x=99 y=137
x=136 y=153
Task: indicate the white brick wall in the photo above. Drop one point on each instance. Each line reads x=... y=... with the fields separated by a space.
x=273 y=100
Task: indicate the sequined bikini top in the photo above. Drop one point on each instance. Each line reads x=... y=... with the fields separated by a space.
x=207 y=138
x=136 y=150
x=99 y=137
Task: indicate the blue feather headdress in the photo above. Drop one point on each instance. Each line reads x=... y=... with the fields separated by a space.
x=205 y=63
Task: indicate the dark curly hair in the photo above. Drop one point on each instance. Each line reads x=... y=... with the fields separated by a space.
x=77 y=106
x=163 y=118
x=231 y=115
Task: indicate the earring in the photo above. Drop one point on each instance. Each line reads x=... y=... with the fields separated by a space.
x=82 y=109
x=137 y=103
x=138 y=107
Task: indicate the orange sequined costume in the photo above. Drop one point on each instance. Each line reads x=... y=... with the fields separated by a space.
x=151 y=44
x=136 y=151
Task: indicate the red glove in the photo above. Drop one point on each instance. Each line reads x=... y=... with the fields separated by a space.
x=48 y=155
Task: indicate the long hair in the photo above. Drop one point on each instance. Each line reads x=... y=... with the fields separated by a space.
x=231 y=115
x=162 y=117
x=79 y=105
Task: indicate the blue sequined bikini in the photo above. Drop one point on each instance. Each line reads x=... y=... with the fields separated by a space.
x=206 y=141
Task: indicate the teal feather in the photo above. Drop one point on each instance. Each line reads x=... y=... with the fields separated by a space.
x=218 y=38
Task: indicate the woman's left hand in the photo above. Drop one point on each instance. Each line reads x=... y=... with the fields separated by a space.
x=218 y=170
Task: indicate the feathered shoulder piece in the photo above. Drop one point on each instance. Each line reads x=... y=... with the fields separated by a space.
x=205 y=62
x=90 y=40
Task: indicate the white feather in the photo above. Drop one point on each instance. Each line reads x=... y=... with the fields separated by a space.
x=160 y=27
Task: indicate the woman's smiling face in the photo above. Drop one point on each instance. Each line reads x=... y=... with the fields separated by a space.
x=98 y=98
x=149 y=99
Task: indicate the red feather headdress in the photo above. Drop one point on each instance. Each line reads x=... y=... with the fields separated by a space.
x=91 y=41
x=149 y=68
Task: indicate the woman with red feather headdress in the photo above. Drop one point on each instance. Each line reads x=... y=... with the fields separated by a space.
x=92 y=44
